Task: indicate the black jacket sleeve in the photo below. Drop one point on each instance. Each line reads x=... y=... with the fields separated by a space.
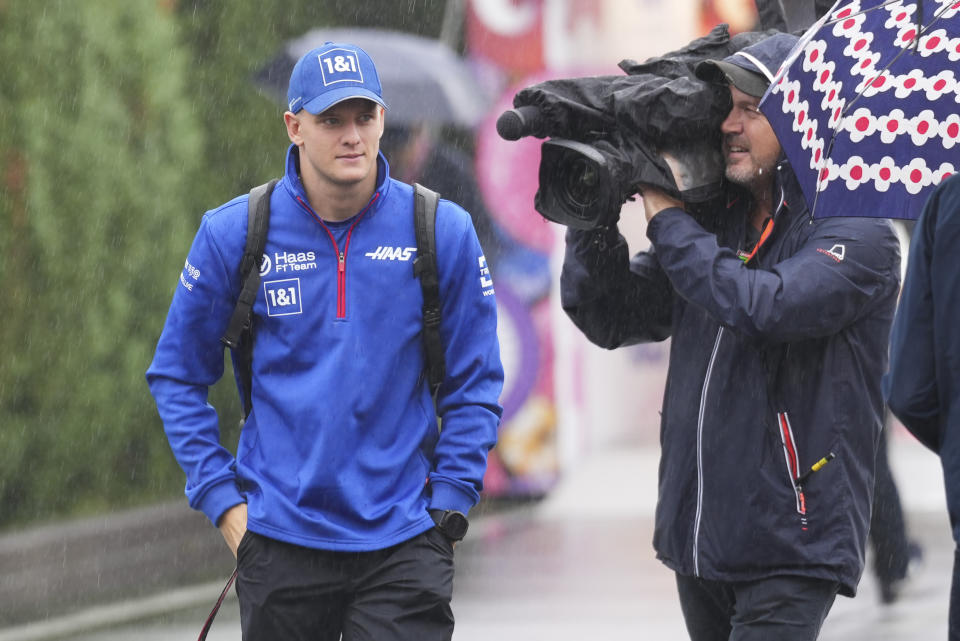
x=842 y=269
x=924 y=345
x=612 y=299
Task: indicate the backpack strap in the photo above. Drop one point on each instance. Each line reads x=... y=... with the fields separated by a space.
x=239 y=335
x=425 y=268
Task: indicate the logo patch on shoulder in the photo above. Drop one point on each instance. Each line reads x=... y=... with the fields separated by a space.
x=189 y=276
x=486 y=282
x=837 y=252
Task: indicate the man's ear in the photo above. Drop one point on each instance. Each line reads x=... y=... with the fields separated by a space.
x=383 y=121
x=292 y=121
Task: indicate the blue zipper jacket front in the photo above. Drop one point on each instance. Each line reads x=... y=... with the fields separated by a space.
x=342 y=449
x=774 y=364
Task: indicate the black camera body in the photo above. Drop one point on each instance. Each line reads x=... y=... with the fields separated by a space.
x=582 y=187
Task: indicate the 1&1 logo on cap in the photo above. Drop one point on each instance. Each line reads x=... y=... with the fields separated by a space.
x=340 y=65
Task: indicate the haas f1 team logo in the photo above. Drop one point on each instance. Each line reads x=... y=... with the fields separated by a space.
x=392 y=253
x=286 y=262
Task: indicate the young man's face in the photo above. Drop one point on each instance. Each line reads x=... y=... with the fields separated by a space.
x=339 y=146
x=750 y=148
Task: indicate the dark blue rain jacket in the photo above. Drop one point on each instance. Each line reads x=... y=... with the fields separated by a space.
x=923 y=385
x=774 y=364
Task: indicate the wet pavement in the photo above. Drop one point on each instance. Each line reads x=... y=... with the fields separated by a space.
x=580 y=565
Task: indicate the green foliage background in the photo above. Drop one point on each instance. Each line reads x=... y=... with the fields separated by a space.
x=120 y=124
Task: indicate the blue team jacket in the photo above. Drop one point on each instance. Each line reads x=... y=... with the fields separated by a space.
x=342 y=449
x=773 y=364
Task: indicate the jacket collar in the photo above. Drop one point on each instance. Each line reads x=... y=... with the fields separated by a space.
x=295 y=186
x=788 y=194
x=787 y=198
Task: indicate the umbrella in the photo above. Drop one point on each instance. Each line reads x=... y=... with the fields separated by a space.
x=424 y=81
x=866 y=106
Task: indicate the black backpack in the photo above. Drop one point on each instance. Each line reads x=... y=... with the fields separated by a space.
x=239 y=334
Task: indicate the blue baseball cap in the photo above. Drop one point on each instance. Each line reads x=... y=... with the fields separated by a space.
x=751 y=70
x=330 y=74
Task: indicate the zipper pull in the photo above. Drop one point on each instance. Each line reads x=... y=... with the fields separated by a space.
x=815 y=468
x=342 y=264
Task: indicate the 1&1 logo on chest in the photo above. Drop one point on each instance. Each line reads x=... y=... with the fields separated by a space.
x=283 y=297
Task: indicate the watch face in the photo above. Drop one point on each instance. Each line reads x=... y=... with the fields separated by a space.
x=454 y=525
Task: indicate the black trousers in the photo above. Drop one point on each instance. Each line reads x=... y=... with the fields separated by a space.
x=786 y=608
x=301 y=594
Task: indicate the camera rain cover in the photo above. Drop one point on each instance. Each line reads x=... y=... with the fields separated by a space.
x=660 y=105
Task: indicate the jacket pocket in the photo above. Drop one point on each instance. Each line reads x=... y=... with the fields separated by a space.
x=245 y=541
x=791 y=459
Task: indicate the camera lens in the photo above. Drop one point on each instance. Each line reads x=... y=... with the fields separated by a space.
x=576 y=188
x=580 y=179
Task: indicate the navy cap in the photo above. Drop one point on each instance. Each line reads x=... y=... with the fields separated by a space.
x=330 y=74
x=751 y=70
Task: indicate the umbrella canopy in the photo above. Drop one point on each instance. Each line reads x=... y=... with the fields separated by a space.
x=866 y=107
x=424 y=81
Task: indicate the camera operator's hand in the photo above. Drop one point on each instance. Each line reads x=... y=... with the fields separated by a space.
x=655 y=201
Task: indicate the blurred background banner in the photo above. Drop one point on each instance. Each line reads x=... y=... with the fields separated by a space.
x=741 y=15
x=507 y=34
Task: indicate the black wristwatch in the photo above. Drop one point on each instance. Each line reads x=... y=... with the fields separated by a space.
x=451 y=523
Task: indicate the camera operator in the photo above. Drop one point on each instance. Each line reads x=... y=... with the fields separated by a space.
x=772 y=409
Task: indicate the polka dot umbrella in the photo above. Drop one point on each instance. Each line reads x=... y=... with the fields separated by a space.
x=866 y=107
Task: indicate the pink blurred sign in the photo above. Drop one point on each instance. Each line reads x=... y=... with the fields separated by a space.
x=507 y=172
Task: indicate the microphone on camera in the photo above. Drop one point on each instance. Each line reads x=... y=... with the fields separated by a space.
x=514 y=124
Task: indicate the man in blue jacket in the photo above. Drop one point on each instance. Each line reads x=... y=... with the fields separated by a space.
x=344 y=500
x=778 y=326
x=923 y=385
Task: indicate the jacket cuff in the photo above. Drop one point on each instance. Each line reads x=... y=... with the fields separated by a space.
x=446 y=496
x=656 y=224
x=218 y=499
